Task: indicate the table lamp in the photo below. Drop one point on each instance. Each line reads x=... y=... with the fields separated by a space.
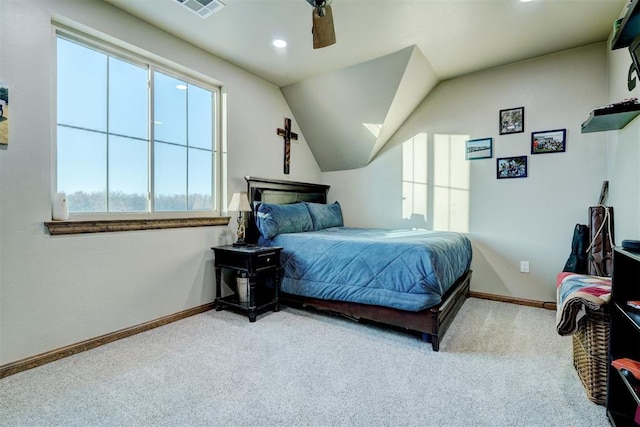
x=240 y=203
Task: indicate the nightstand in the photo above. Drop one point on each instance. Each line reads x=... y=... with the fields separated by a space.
x=258 y=263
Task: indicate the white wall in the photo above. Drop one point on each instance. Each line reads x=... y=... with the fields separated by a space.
x=623 y=150
x=514 y=219
x=56 y=291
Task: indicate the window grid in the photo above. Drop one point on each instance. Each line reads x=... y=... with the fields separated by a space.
x=108 y=140
x=190 y=201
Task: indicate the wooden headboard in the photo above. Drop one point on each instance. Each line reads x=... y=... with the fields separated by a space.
x=281 y=193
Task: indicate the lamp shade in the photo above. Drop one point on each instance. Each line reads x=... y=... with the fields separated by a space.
x=239 y=203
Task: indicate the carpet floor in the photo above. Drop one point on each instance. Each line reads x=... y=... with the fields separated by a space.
x=499 y=365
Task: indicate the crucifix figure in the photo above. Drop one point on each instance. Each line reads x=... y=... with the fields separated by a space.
x=288 y=136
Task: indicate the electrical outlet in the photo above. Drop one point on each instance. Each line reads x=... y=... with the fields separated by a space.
x=524 y=266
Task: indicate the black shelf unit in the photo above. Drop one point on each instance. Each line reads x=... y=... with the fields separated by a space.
x=610 y=118
x=623 y=390
x=629 y=27
x=617 y=117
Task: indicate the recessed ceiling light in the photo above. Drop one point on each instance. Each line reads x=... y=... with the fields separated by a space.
x=525 y=1
x=279 y=43
x=181 y=87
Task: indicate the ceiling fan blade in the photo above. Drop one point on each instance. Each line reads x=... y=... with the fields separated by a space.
x=323 y=31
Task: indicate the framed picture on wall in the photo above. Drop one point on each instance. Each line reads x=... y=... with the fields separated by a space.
x=511 y=167
x=479 y=148
x=549 y=141
x=512 y=120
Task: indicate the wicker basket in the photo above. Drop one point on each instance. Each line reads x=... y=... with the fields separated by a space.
x=590 y=347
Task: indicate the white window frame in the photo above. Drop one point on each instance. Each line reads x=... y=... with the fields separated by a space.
x=218 y=175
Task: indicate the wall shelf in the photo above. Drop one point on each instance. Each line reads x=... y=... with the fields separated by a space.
x=629 y=27
x=617 y=116
x=610 y=118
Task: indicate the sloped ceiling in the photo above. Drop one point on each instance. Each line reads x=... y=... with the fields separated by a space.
x=348 y=115
x=457 y=37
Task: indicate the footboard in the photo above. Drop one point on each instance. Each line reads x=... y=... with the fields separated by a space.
x=444 y=313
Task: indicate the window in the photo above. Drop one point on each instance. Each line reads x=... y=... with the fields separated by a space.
x=132 y=137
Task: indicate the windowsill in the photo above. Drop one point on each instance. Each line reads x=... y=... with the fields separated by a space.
x=101 y=226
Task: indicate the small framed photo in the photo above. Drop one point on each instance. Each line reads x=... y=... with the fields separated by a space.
x=479 y=148
x=549 y=141
x=512 y=120
x=512 y=167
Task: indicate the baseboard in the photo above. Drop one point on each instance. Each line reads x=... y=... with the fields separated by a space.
x=50 y=356
x=520 y=301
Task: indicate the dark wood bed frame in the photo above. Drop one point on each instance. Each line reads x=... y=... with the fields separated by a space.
x=431 y=322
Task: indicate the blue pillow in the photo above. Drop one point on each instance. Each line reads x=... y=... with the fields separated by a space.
x=325 y=216
x=273 y=219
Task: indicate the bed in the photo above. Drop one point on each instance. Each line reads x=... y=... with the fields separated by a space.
x=407 y=279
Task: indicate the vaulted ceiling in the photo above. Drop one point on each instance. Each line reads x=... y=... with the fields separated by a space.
x=349 y=98
x=352 y=112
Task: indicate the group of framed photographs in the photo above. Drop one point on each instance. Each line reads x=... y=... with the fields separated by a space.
x=512 y=121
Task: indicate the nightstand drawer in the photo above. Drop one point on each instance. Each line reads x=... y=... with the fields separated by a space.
x=266 y=260
x=232 y=260
x=250 y=262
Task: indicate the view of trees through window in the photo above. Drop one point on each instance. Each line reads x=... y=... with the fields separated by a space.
x=131 y=138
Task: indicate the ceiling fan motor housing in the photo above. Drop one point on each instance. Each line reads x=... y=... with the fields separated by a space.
x=323 y=31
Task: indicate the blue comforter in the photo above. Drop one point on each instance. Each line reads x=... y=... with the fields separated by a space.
x=403 y=269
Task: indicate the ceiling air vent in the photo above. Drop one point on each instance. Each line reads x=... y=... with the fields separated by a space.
x=202 y=8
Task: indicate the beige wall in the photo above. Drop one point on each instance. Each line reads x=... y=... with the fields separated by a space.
x=56 y=291
x=510 y=220
x=623 y=152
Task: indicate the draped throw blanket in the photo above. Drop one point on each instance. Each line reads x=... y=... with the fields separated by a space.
x=577 y=293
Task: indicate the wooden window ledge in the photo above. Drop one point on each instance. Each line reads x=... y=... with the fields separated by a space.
x=102 y=226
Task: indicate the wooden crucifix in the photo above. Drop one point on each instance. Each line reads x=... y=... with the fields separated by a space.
x=288 y=136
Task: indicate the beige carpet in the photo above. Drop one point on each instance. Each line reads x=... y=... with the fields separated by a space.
x=499 y=365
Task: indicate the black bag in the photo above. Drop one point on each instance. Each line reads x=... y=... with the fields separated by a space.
x=577 y=262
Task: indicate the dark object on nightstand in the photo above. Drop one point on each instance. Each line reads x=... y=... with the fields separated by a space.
x=258 y=263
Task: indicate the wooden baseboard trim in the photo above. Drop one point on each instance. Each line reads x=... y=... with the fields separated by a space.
x=520 y=301
x=50 y=356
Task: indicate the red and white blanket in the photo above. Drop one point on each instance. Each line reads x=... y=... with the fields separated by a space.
x=575 y=294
